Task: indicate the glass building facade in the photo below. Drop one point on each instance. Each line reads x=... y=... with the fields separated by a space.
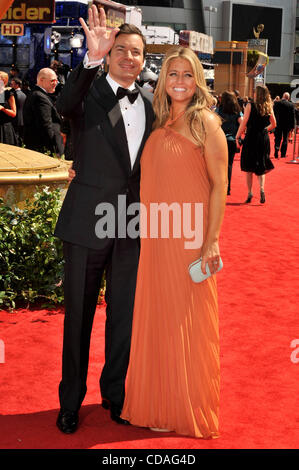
x=176 y=14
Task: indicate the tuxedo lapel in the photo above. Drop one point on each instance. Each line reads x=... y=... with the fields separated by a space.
x=113 y=128
x=117 y=123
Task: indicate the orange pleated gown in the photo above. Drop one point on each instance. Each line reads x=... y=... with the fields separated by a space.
x=173 y=375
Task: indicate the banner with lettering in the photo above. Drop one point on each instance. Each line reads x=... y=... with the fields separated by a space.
x=28 y=11
x=4 y=6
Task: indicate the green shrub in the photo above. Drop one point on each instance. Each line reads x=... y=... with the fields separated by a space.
x=31 y=259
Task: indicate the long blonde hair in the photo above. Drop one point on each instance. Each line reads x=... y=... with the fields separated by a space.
x=4 y=77
x=201 y=100
x=263 y=100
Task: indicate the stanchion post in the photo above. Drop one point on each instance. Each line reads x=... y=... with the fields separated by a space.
x=295 y=152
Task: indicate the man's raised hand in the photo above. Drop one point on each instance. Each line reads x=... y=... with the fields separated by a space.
x=99 y=39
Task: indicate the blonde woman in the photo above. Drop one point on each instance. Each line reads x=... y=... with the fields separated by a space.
x=173 y=376
x=258 y=120
x=8 y=111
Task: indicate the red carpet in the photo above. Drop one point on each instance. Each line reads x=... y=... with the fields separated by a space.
x=258 y=298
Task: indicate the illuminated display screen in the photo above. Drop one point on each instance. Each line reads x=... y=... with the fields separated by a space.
x=245 y=21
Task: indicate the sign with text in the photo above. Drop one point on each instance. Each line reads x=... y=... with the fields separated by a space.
x=115 y=12
x=258 y=45
x=258 y=72
x=4 y=6
x=10 y=29
x=198 y=42
x=31 y=11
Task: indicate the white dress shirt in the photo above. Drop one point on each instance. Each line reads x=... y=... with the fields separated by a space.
x=133 y=114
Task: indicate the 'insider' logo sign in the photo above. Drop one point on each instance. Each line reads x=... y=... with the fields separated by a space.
x=31 y=11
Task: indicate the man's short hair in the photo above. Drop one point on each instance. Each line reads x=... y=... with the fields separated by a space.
x=17 y=81
x=45 y=73
x=127 y=28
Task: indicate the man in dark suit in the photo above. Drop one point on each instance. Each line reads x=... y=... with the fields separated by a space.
x=20 y=98
x=284 y=112
x=109 y=129
x=41 y=119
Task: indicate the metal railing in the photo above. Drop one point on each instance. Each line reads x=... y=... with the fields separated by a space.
x=295 y=145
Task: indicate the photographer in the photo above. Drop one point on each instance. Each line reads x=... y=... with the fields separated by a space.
x=62 y=71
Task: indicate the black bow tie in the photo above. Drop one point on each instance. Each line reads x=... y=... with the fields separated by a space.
x=131 y=94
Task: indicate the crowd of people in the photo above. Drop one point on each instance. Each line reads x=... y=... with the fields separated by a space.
x=254 y=119
x=38 y=126
x=28 y=114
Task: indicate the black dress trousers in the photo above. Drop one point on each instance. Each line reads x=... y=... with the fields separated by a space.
x=84 y=268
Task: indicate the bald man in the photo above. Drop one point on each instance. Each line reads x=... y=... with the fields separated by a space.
x=41 y=119
x=284 y=112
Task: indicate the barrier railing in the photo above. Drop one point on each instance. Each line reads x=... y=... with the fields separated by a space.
x=295 y=146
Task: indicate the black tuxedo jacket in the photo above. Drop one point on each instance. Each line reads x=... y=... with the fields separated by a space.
x=284 y=112
x=101 y=154
x=41 y=123
x=20 y=98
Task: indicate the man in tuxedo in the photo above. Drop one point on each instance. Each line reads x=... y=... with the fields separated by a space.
x=111 y=118
x=41 y=119
x=284 y=112
x=20 y=98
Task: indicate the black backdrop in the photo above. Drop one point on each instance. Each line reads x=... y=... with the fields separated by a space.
x=246 y=17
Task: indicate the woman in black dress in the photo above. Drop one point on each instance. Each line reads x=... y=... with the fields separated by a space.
x=230 y=112
x=258 y=120
x=8 y=111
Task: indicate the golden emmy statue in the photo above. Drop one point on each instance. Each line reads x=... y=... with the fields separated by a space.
x=258 y=30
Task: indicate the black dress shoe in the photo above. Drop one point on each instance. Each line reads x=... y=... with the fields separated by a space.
x=115 y=412
x=106 y=404
x=67 y=421
x=248 y=200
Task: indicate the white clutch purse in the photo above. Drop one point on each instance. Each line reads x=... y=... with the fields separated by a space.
x=196 y=272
